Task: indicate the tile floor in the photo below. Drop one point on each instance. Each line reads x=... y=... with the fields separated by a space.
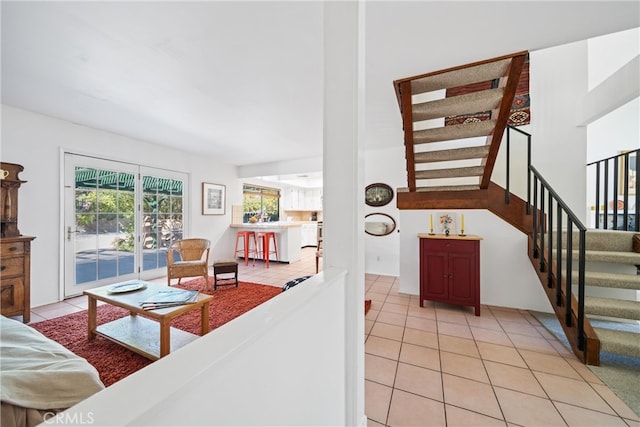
x=442 y=366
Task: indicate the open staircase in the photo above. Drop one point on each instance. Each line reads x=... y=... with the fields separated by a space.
x=449 y=166
x=611 y=282
x=461 y=155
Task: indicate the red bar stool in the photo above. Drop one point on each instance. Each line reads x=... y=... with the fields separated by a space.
x=263 y=239
x=245 y=237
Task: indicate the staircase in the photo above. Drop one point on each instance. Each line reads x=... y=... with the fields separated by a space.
x=611 y=282
x=458 y=157
x=450 y=166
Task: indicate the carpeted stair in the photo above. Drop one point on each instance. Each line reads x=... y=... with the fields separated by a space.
x=611 y=286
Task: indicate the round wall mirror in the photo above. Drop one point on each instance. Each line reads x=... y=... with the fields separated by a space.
x=378 y=194
x=379 y=224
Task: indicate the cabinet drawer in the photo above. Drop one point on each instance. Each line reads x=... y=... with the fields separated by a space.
x=449 y=245
x=12 y=295
x=11 y=266
x=11 y=249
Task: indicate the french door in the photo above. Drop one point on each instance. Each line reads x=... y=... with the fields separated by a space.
x=119 y=220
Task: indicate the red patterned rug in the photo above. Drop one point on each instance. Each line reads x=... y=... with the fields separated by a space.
x=115 y=362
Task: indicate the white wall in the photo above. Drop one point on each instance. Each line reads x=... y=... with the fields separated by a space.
x=382 y=253
x=34 y=141
x=558 y=82
x=608 y=53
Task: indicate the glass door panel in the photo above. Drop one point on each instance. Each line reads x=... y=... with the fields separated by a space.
x=100 y=228
x=162 y=211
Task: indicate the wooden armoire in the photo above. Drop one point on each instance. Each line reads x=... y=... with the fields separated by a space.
x=15 y=249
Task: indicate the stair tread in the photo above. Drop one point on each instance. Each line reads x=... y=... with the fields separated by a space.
x=450 y=172
x=611 y=307
x=607 y=240
x=629 y=258
x=619 y=342
x=461 y=76
x=448 y=133
x=470 y=103
x=609 y=280
x=464 y=153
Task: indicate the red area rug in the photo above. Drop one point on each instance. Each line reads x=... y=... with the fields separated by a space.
x=115 y=362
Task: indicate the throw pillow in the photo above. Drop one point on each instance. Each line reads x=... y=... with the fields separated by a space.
x=636 y=243
x=290 y=284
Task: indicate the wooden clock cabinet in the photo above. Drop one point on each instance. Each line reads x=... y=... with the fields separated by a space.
x=450 y=270
x=15 y=249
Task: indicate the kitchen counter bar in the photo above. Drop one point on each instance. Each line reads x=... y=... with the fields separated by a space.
x=288 y=238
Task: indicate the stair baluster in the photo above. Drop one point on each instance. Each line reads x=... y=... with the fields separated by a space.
x=609 y=192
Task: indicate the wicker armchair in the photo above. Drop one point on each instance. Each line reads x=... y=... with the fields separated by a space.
x=194 y=259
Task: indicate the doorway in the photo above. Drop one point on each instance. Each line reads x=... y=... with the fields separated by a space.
x=120 y=218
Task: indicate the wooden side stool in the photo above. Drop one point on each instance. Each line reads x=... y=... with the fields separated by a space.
x=225 y=266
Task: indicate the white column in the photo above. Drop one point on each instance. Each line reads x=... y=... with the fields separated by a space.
x=343 y=181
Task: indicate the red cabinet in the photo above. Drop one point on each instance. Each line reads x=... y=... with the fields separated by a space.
x=450 y=270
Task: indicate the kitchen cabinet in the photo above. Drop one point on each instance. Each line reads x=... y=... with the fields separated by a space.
x=313 y=199
x=299 y=199
x=450 y=270
x=309 y=234
x=291 y=199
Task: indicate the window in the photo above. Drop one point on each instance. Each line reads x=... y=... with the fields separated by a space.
x=260 y=203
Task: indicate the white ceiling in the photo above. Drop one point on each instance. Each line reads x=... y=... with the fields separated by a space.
x=243 y=81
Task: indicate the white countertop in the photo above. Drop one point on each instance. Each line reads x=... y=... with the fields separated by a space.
x=278 y=224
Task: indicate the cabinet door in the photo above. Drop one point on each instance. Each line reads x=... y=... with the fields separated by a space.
x=316 y=199
x=293 y=199
x=436 y=275
x=462 y=277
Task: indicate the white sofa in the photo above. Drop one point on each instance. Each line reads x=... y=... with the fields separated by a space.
x=38 y=376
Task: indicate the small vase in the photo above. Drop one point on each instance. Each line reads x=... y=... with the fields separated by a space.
x=446 y=232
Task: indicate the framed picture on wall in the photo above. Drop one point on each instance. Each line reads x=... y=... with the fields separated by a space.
x=631 y=167
x=213 y=199
x=378 y=194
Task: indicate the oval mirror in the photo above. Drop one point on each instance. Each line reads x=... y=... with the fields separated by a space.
x=379 y=224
